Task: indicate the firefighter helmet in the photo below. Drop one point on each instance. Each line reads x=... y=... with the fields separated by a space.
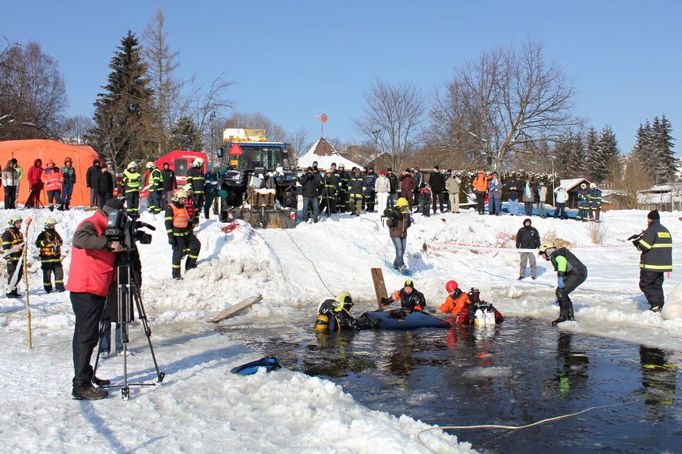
x=49 y=221
x=179 y=194
x=545 y=246
x=198 y=162
x=150 y=165
x=14 y=219
x=132 y=165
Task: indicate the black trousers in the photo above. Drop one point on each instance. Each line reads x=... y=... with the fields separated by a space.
x=480 y=202
x=571 y=282
x=189 y=245
x=651 y=284
x=48 y=269
x=132 y=202
x=438 y=201
x=11 y=268
x=10 y=197
x=88 y=308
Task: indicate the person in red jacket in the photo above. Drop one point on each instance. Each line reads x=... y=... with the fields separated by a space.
x=93 y=257
x=35 y=183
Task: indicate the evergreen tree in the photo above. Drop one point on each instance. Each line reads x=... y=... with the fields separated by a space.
x=122 y=113
x=185 y=135
x=662 y=150
x=606 y=163
x=594 y=166
x=571 y=157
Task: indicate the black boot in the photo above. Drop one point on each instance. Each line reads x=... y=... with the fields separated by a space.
x=563 y=313
x=89 y=392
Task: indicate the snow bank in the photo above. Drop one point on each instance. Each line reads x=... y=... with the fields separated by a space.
x=201 y=408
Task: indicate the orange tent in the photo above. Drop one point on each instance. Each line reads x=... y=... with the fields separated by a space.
x=27 y=151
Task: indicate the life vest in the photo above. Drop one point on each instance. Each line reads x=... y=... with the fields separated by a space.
x=480 y=183
x=454 y=305
x=92 y=270
x=180 y=217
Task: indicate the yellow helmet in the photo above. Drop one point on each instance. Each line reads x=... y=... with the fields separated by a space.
x=343 y=301
x=546 y=245
x=401 y=202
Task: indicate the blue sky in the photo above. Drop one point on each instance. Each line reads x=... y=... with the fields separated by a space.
x=292 y=60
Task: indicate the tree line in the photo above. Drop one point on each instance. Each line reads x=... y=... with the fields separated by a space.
x=509 y=109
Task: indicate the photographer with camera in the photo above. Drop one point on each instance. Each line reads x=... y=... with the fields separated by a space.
x=656 y=245
x=92 y=270
x=180 y=235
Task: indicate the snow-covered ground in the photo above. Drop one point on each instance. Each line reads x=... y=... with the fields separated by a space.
x=202 y=407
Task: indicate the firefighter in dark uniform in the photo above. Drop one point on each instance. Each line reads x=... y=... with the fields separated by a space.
x=355 y=191
x=50 y=244
x=570 y=274
x=656 y=245
x=132 y=180
x=328 y=192
x=180 y=236
x=196 y=177
x=583 y=203
x=595 y=202
x=11 y=238
x=343 y=182
x=370 y=194
x=155 y=188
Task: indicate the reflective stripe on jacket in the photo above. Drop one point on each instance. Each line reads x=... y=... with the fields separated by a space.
x=132 y=181
x=656 y=245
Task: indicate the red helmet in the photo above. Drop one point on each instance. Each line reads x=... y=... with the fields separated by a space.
x=451 y=286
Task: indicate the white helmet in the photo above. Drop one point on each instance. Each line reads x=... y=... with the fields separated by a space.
x=198 y=162
x=14 y=219
x=187 y=187
x=179 y=194
x=150 y=165
x=49 y=221
x=593 y=185
x=132 y=165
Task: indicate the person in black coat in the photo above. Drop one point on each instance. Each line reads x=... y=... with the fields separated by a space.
x=395 y=184
x=92 y=181
x=105 y=185
x=310 y=182
x=170 y=184
x=437 y=183
x=527 y=238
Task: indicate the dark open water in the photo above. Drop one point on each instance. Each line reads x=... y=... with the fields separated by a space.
x=517 y=373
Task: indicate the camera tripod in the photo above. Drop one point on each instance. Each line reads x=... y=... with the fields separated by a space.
x=120 y=307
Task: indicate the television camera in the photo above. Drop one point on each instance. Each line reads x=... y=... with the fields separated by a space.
x=120 y=227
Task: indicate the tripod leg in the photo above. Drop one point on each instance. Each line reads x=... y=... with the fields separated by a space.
x=148 y=332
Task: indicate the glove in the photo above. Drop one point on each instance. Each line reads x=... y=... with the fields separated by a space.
x=636 y=244
x=386 y=301
x=560 y=282
x=171 y=240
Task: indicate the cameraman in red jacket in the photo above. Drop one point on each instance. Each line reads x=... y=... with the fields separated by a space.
x=93 y=257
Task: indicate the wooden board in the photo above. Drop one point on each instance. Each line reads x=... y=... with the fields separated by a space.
x=233 y=310
x=379 y=285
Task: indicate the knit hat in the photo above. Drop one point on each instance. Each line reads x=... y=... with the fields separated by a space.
x=382 y=173
x=653 y=215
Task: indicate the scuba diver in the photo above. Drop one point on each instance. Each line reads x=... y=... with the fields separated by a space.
x=478 y=311
x=334 y=314
x=410 y=298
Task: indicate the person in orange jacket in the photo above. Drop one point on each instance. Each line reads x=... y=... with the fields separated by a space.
x=480 y=187
x=455 y=301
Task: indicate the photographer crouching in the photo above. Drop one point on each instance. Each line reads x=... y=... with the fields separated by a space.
x=93 y=256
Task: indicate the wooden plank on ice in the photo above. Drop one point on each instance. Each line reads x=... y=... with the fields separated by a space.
x=233 y=310
x=379 y=285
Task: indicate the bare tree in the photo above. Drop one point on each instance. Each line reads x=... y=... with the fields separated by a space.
x=32 y=94
x=161 y=64
x=273 y=131
x=635 y=178
x=392 y=117
x=298 y=142
x=74 y=129
x=506 y=102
